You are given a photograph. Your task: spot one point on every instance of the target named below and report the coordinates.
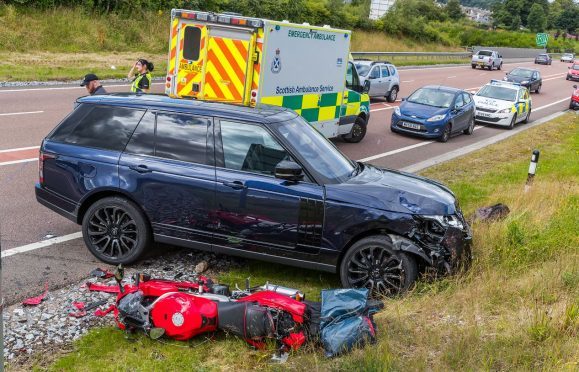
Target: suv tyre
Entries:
(115, 230)
(373, 263)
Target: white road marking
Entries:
(554, 78)
(64, 88)
(20, 149)
(384, 108)
(42, 244)
(558, 74)
(21, 113)
(18, 161)
(407, 81)
(451, 77)
(383, 155)
(549, 105)
(484, 73)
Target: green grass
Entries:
(65, 44)
(516, 309)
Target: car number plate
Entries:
(481, 63)
(483, 114)
(411, 125)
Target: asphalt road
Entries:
(28, 114)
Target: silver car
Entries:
(568, 57)
(383, 77)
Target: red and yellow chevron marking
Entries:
(191, 72)
(257, 65)
(173, 47)
(226, 70)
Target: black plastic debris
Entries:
(493, 213)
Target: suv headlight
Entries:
(397, 111)
(439, 224)
(437, 117)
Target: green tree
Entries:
(537, 20)
(453, 10)
(569, 19)
(515, 23)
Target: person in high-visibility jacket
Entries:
(141, 79)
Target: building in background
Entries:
(379, 7)
(477, 14)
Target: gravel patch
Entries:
(29, 330)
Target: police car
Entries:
(502, 103)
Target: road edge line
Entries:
(476, 146)
(41, 244)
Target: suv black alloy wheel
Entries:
(372, 263)
(115, 230)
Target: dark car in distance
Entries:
(435, 112)
(254, 182)
(530, 78)
(543, 59)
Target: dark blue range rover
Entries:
(255, 182)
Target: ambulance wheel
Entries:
(528, 117)
(115, 230)
(393, 95)
(358, 131)
(513, 121)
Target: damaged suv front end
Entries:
(413, 221)
(445, 240)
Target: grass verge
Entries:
(67, 43)
(516, 309)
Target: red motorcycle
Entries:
(182, 310)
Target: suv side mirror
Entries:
(366, 87)
(288, 170)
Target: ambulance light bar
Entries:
(220, 18)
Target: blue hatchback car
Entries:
(435, 112)
(255, 182)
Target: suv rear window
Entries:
(104, 127)
(485, 53)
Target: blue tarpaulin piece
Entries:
(344, 324)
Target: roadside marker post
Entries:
(532, 169)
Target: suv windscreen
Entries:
(104, 127)
(325, 159)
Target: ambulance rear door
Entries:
(229, 64)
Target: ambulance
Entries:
(249, 61)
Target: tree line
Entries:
(537, 15)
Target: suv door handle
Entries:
(141, 168)
(236, 185)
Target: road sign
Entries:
(542, 39)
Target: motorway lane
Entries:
(24, 221)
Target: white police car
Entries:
(502, 103)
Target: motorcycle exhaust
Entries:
(290, 292)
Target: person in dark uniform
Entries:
(92, 84)
(142, 77)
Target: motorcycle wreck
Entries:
(184, 309)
